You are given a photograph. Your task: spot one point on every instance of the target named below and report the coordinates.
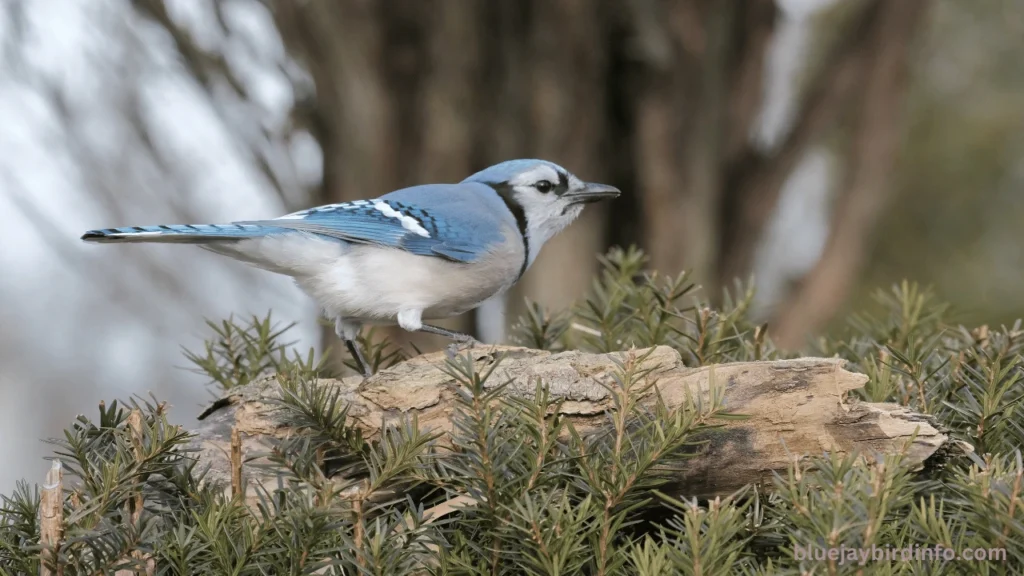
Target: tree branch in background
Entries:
(207, 68)
(699, 95)
(105, 176)
(756, 30)
(666, 104)
(875, 149)
(756, 178)
(212, 71)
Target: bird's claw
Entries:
(366, 374)
(460, 346)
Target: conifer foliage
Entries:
(519, 491)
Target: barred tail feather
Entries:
(179, 233)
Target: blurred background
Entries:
(824, 147)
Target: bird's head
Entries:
(543, 196)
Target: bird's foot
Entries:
(459, 346)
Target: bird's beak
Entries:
(593, 192)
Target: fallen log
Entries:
(793, 408)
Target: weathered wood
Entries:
(142, 563)
(51, 518)
(135, 425)
(794, 407)
(236, 462)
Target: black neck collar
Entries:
(507, 196)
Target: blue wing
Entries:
(459, 222)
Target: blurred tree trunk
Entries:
(657, 97)
(870, 163)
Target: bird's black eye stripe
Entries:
(563, 183)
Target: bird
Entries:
(420, 253)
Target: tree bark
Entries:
(793, 408)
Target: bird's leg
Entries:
(412, 320)
(461, 341)
(364, 366)
(347, 331)
(459, 337)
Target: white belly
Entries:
(373, 284)
(365, 283)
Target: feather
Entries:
(462, 223)
(178, 233)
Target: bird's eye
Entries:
(543, 186)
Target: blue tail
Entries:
(179, 233)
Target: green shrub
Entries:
(537, 498)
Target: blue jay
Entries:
(415, 254)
